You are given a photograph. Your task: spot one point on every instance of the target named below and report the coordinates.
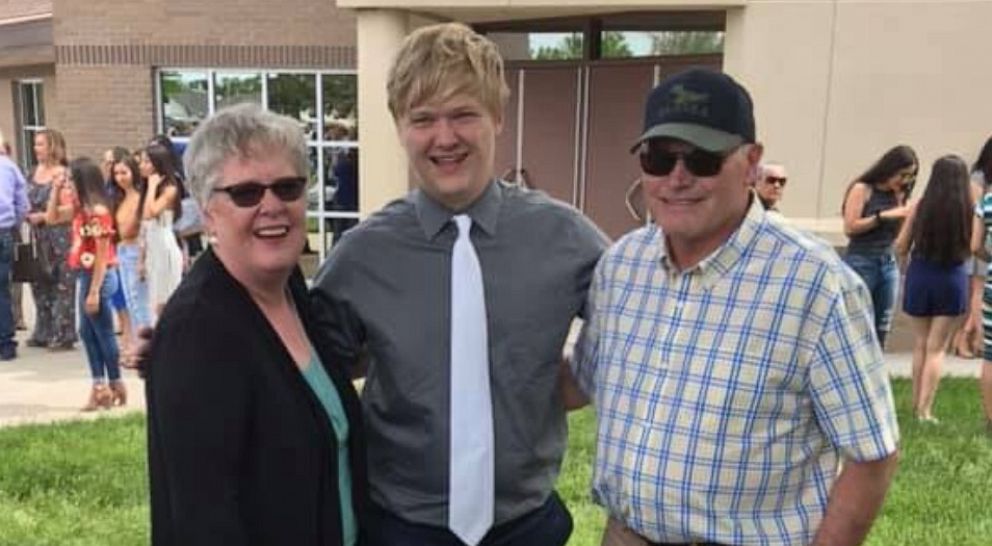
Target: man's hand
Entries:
(572, 396)
(855, 500)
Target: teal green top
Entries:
(327, 393)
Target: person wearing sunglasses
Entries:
(730, 357)
(875, 205)
(459, 297)
(770, 185)
(254, 430)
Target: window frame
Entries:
(22, 127)
(322, 214)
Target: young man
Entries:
(731, 359)
(460, 297)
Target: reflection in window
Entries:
(538, 46)
(331, 125)
(230, 89)
(314, 188)
(341, 179)
(334, 228)
(295, 95)
(184, 101)
(625, 44)
(340, 107)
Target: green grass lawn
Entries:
(84, 483)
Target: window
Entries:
(618, 44)
(29, 109)
(184, 101)
(236, 88)
(538, 46)
(323, 102)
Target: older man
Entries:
(770, 185)
(731, 359)
(461, 295)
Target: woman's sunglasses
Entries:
(660, 162)
(250, 193)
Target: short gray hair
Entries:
(240, 131)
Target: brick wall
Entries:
(230, 22)
(104, 106)
(107, 50)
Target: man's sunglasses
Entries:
(776, 181)
(660, 162)
(250, 193)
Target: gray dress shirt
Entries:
(384, 292)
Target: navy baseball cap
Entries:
(704, 108)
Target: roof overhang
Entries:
(26, 41)
(489, 11)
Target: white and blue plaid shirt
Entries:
(728, 394)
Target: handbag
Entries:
(29, 264)
(191, 220)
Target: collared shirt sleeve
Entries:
(21, 203)
(848, 382)
(586, 353)
(333, 310)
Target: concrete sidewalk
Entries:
(43, 386)
(40, 386)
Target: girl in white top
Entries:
(163, 257)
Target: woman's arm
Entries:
(905, 238)
(102, 239)
(198, 413)
(56, 212)
(978, 239)
(854, 205)
(155, 205)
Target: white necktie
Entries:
(472, 472)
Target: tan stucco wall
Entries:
(838, 83)
(383, 167)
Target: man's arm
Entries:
(335, 316)
(854, 502)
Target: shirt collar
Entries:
(484, 212)
(714, 266)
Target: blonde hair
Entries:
(440, 61)
(56, 146)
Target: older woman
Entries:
(254, 435)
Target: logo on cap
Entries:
(684, 101)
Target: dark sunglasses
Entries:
(250, 193)
(776, 180)
(659, 162)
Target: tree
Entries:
(614, 45)
(570, 47)
(686, 42)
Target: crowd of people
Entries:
(734, 362)
(932, 250)
(107, 255)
